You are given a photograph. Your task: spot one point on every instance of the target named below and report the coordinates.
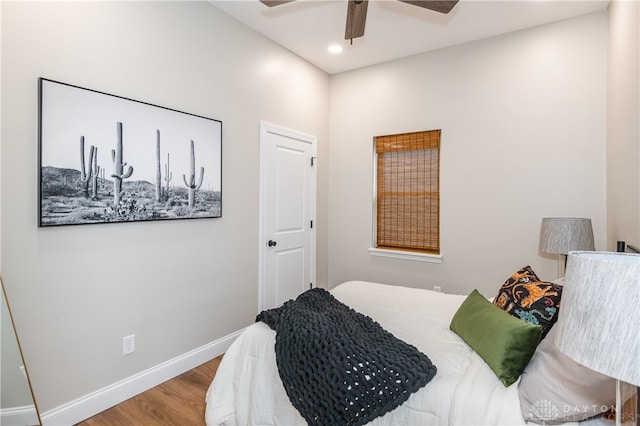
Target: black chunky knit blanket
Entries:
(340, 367)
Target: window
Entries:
(407, 192)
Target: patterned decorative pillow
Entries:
(524, 296)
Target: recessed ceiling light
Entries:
(335, 49)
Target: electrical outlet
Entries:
(437, 288)
(128, 344)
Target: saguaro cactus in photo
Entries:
(191, 184)
(119, 168)
(95, 170)
(158, 173)
(85, 172)
(167, 176)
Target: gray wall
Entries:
(623, 132)
(76, 291)
(523, 119)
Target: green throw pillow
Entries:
(505, 342)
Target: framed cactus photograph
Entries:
(106, 158)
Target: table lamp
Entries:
(599, 321)
(560, 235)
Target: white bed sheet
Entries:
(248, 391)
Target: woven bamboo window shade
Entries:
(408, 192)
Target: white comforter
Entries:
(247, 389)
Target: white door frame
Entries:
(265, 129)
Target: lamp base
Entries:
(562, 265)
(627, 404)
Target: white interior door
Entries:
(287, 211)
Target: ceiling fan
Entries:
(357, 12)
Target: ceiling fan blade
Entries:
(442, 6)
(356, 18)
(272, 3)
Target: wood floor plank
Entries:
(179, 401)
(175, 403)
(114, 416)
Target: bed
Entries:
(247, 389)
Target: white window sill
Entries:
(406, 255)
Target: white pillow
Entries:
(555, 389)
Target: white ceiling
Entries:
(393, 29)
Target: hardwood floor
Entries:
(179, 401)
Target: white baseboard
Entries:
(102, 399)
(26, 415)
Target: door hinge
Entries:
(313, 161)
(310, 285)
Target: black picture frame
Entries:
(106, 159)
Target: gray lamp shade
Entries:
(599, 320)
(560, 235)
